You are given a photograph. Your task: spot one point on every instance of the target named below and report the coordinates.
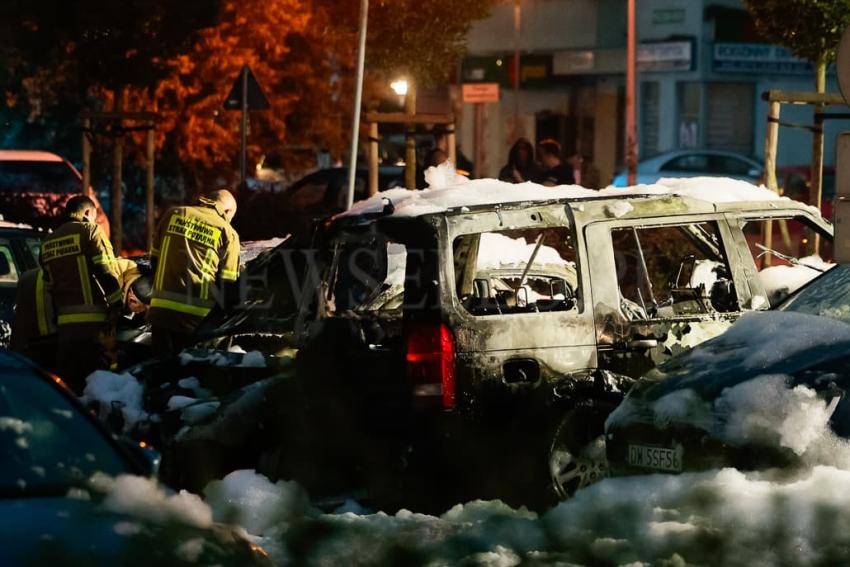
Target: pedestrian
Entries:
(34, 325)
(195, 253)
(557, 171)
(81, 274)
(521, 166)
(584, 172)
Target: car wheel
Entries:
(577, 455)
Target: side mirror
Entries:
(144, 456)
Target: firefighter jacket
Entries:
(80, 272)
(33, 310)
(195, 251)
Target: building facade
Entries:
(701, 72)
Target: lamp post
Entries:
(358, 101)
(517, 28)
(631, 125)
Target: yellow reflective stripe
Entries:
(41, 315)
(229, 275)
(85, 280)
(181, 307)
(114, 297)
(104, 259)
(207, 273)
(82, 318)
(160, 268)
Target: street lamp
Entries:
(399, 87)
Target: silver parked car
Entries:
(695, 163)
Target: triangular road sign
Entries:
(256, 99)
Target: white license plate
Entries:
(657, 458)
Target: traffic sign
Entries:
(480, 92)
(256, 99)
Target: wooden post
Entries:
(770, 144)
(149, 201)
(479, 138)
(373, 158)
(451, 141)
(817, 146)
(86, 156)
(117, 162)
(410, 138)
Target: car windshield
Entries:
(826, 296)
(47, 444)
(19, 176)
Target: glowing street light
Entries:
(399, 87)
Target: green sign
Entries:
(664, 16)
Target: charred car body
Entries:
(476, 351)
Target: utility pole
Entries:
(631, 123)
(410, 137)
(517, 28)
(358, 101)
(243, 129)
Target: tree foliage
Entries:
(811, 29)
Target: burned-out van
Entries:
(482, 346)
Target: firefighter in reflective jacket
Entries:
(195, 252)
(81, 273)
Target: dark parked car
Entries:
(264, 214)
(54, 515)
(35, 185)
(725, 402)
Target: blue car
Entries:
(768, 393)
(51, 512)
(695, 163)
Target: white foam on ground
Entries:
(103, 388)
(781, 281)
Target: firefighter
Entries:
(81, 274)
(195, 253)
(34, 325)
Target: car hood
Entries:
(772, 342)
(70, 531)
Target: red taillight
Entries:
(431, 362)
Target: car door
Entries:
(661, 286)
(517, 290)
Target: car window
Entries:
(33, 246)
(690, 162)
(47, 444)
(728, 165)
(671, 271)
(367, 276)
(826, 296)
(8, 269)
(516, 271)
(38, 176)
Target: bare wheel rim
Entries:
(571, 472)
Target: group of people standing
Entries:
(548, 167)
(67, 310)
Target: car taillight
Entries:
(431, 362)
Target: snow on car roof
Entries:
(28, 155)
(448, 190)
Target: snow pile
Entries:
(447, 190)
(781, 281)
(236, 358)
(443, 175)
(108, 390)
(499, 251)
(618, 209)
(712, 518)
(253, 502)
(143, 498)
(766, 411)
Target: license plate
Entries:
(657, 458)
